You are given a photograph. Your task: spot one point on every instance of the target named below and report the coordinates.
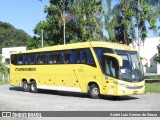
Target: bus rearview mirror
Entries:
(117, 57)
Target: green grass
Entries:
(5, 81)
(156, 77)
(152, 86)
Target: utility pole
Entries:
(42, 41)
(42, 37)
(64, 27)
(61, 8)
(139, 37)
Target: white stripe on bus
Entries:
(70, 89)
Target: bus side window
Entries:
(31, 59)
(54, 58)
(58, 58)
(99, 54)
(66, 59)
(50, 58)
(20, 59)
(78, 56)
(73, 57)
(14, 59)
(84, 56)
(25, 59)
(41, 59)
(44, 60)
(90, 59)
(67, 55)
(81, 56)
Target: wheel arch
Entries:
(32, 79)
(23, 79)
(93, 82)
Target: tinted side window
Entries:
(99, 52)
(14, 59)
(25, 59)
(31, 59)
(84, 56)
(73, 57)
(76, 56)
(41, 58)
(54, 58)
(20, 59)
(90, 59)
(66, 56)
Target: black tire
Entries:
(94, 91)
(34, 87)
(26, 86)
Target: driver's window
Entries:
(111, 66)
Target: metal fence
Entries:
(4, 77)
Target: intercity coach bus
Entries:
(95, 68)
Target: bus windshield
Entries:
(132, 68)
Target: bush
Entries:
(3, 68)
(157, 58)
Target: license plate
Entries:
(135, 92)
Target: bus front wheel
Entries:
(94, 91)
(26, 86)
(33, 87)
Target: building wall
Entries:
(149, 50)
(6, 52)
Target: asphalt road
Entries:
(14, 99)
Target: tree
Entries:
(119, 21)
(61, 8)
(55, 25)
(34, 43)
(75, 20)
(3, 68)
(12, 37)
(156, 5)
(87, 22)
(125, 16)
(82, 20)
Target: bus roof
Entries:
(112, 46)
(82, 45)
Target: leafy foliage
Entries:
(85, 20)
(82, 21)
(157, 58)
(12, 37)
(3, 68)
(128, 15)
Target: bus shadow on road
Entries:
(16, 88)
(119, 98)
(74, 94)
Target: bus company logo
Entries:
(25, 69)
(6, 114)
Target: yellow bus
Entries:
(95, 68)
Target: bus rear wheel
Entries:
(33, 87)
(26, 86)
(94, 91)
